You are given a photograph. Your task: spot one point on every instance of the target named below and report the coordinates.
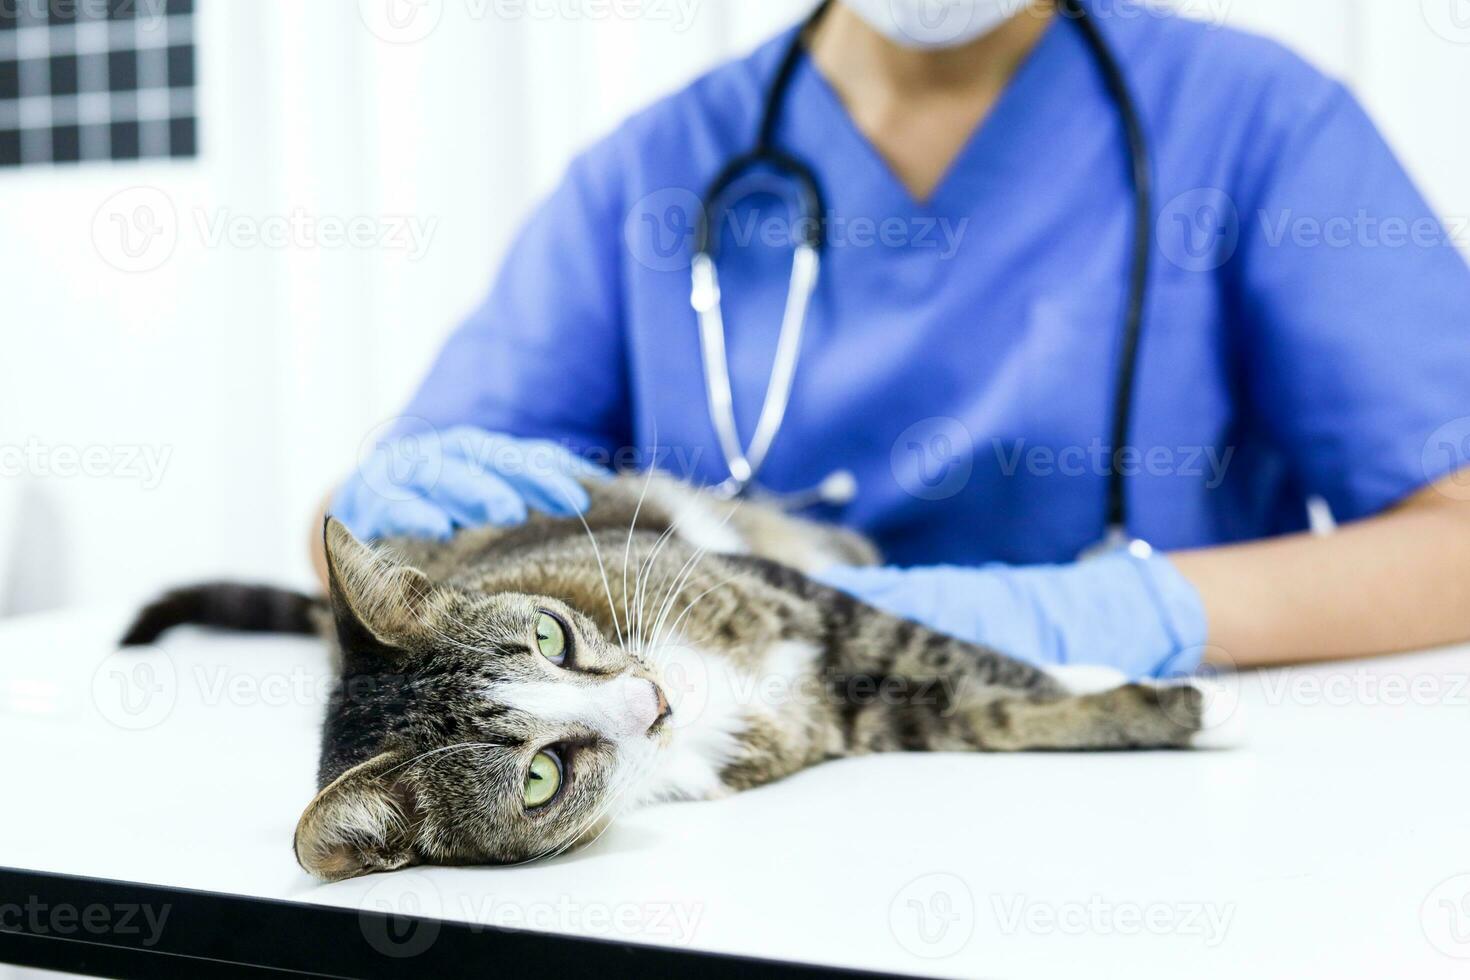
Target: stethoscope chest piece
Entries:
(1117, 540)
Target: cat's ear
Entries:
(363, 821)
(373, 591)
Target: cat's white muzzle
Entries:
(621, 709)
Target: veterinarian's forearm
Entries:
(1399, 581)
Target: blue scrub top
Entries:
(1307, 331)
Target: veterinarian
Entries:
(1011, 279)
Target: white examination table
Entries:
(1335, 843)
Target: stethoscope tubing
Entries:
(744, 462)
(1139, 267)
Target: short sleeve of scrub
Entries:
(1354, 302)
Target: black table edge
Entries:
(101, 927)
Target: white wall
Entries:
(254, 370)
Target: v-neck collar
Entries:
(984, 150)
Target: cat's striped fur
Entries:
(443, 699)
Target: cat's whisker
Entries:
(645, 575)
(674, 627)
(457, 746)
(644, 603)
(632, 525)
(668, 589)
(686, 572)
(663, 539)
(488, 592)
(556, 850)
(641, 581)
(675, 589)
(626, 782)
(381, 563)
(602, 570)
(646, 570)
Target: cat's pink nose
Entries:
(663, 706)
(646, 706)
(658, 708)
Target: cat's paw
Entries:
(1221, 717)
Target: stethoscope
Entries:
(744, 461)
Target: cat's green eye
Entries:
(551, 637)
(543, 779)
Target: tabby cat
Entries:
(506, 693)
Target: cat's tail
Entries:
(226, 605)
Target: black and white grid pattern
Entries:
(85, 80)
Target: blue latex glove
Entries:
(1136, 615)
(428, 483)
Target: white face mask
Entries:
(934, 23)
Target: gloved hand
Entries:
(1136, 615)
(426, 484)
